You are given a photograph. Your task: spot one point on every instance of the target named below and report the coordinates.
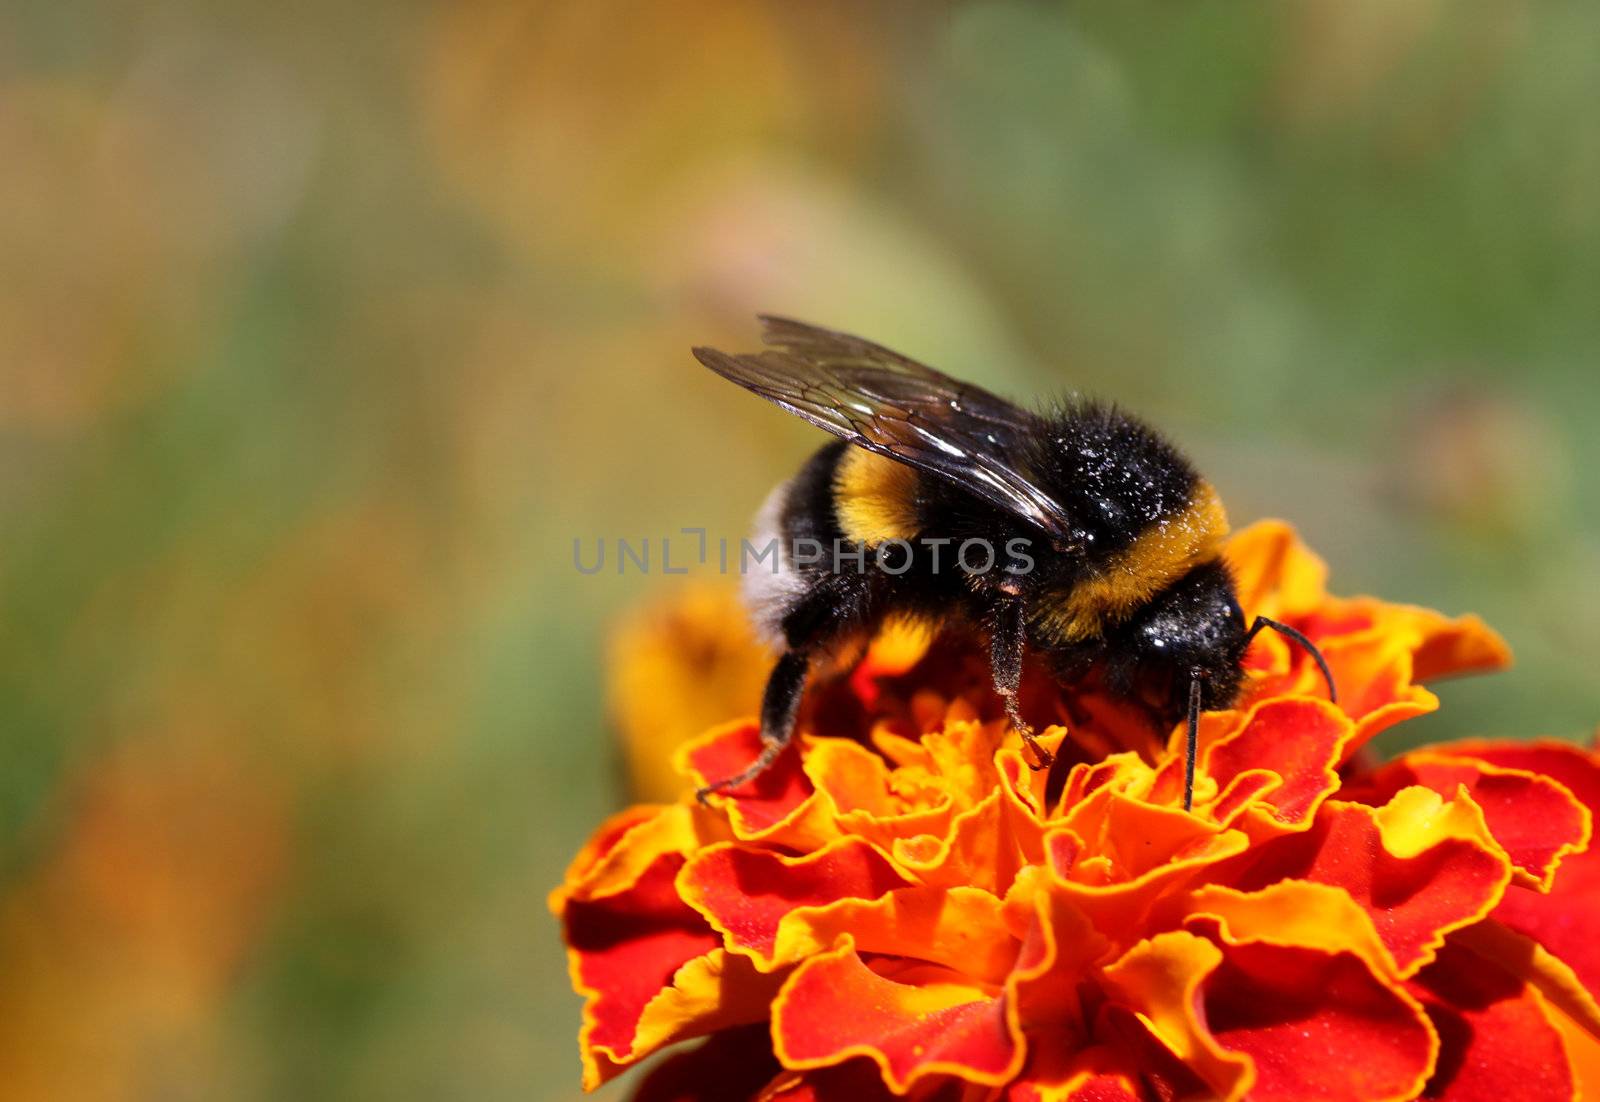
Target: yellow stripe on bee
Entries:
(874, 497)
(1159, 557)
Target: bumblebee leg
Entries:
(779, 705)
(1193, 743)
(1007, 641)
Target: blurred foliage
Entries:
(326, 329)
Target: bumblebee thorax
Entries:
(1110, 588)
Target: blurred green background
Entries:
(326, 328)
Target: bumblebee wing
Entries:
(880, 400)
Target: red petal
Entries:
(1317, 1026)
(1563, 921)
(1414, 900)
(1533, 818)
(1300, 740)
(745, 892)
(767, 800)
(1496, 1041)
(927, 1021)
(625, 949)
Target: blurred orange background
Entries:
(325, 330)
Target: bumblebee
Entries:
(1078, 532)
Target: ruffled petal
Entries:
(1058, 940)
(1139, 852)
(715, 992)
(780, 806)
(746, 893)
(1534, 819)
(1496, 1040)
(1290, 912)
(1059, 1072)
(1526, 959)
(1160, 980)
(1583, 1055)
(1300, 740)
(912, 1021)
(1276, 574)
(1418, 867)
(623, 950)
(980, 849)
(1441, 646)
(1317, 1025)
(624, 848)
(1562, 919)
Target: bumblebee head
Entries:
(1194, 629)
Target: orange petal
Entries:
(1059, 949)
(1290, 912)
(599, 847)
(1244, 789)
(926, 1021)
(979, 850)
(1496, 1040)
(867, 800)
(1317, 1025)
(1160, 980)
(1276, 573)
(1442, 646)
(1118, 909)
(1061, 1070)
(960, 928)
(745, 893)
(1373, 672)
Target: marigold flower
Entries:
(902, 908)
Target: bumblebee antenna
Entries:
(1194, 743)
(1194, 695)
(1310, 648)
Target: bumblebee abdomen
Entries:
(796, 514)
(874, 498)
